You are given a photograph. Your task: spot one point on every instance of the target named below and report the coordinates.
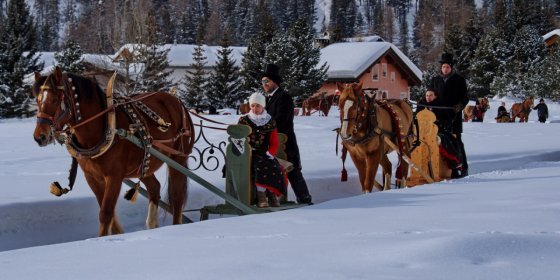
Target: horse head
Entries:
(349, 104)
(529, 102)
(53, 106)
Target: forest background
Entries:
(497, 44)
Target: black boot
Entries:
(299, 187)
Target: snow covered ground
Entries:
(501, 222)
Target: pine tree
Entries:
(488, 62)
(298, 60)
(253, 61)
(472, 33)
(155, 74)
(544, 78)
(47, 24)
(70, 58)
(194, 92)
(17, 59)
(225, 81)
(526, 53)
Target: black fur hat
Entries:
(446, 58)
(272, 71)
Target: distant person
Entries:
(452, 89)
(269, 177)
(542, 111)
(502, 111)
(281, 107)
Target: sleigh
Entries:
(431, 166)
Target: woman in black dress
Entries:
(269, 176)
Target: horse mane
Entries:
(83, 83)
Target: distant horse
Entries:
(365, 124)
(522, 110)
(470, 111)
(74, 110)
(244, 108)
(319, 103)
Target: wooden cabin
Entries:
(380, 66)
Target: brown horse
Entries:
(364, 126)
(319, 103)
(522, 110)
(244, 108)
(469, 113)
(74, 110)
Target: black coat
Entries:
(281, 107)
(542, 110)
(452, 92)
(502, 111)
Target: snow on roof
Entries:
(371, 38)
(555, 32)
(350, 60)
(47, 58)
(101, 61)
(181, 55)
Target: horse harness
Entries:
(370, 113)
(366, 110)
(133, 107)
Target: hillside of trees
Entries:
(497, 43)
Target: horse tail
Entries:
(176, 192)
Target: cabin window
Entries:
(392, 77)
(384, 94)
(375, 72)
(384, 70)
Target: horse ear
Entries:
(37, 75)
(358, 86)
(339, 86)
(57, 74)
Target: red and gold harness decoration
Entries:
(397, 129)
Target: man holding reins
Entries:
(452, 89)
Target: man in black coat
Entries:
(281, 107)
(542, 110)
(452, 89)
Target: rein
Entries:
(109, 108)
(431, 106)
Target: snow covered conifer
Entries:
(18, 57)
(225, 80)
(69, 59)
(194, 91)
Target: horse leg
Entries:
(98, 187)
(360, 164)
(107, 212)
(387, 167)
(177, 189)
(116, 227)
(153, 186)
(403, 167)
(372, 164)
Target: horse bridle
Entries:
(65, 109)
(361, 108)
